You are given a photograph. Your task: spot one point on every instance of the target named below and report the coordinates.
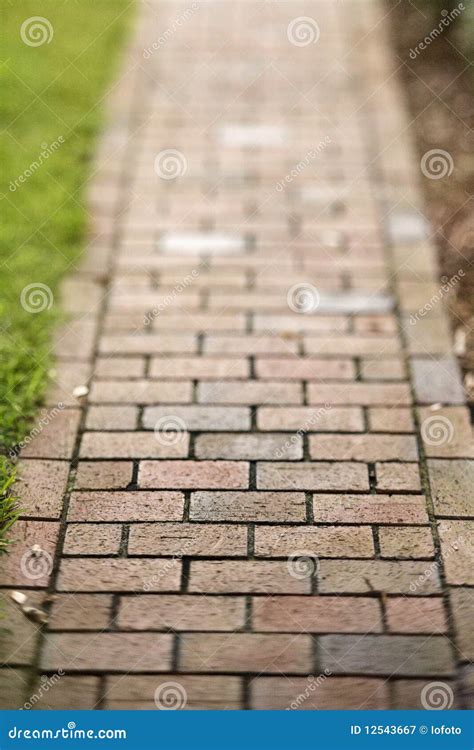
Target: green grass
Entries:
(50, 95)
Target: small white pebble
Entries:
(80, 390)
(18, 597)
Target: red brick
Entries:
(31, 553)
(249, 446)
(199, 368)
(119, 574)
(140, 392)
(128, 652)
(112, 418)
(126, 506)
(312, 476)
(316, 614)
(363, 576)
(369, 448)
(304, 369)
(369, 509)
(92, 539)
(323, 541)
(462, 608)
(382, 369)
(404, 543)
(355, 345)
(360, 394)
(249, 392)
(54, 435)
(40, 487)
(416, 615)
(80, 692)
(190, 539)
(395, 476)
(457, 549)
(194, 474)
(250, 344)
(125, 693)
(134, 445)
(148, 344)
(288, 507)
(231, 418)
(390, 419)
(245, 576)
(246, 652)
(181, 612)
(307, 419)
(80, 612)
(119, 367)
(107, 475)
(305, 693)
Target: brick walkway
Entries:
(264, 500)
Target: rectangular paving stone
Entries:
(140, 392)
(416, 615)
(312, 476)
(107, 475)
(119, 574)
(249, 392)
(183, 612)
(249, 344)
(137, 692)
(246, 652)
(134, 445)
(316, 614)
(304, 369)
(80, 612)
(129, 652)
(194, 474)
(406, 543)
(462, 607)
(387, 655)
(40, 486)
(369, 448)
(205, 418)
(390, 419)
(190, 243)
(245, 576)
(446, 432)
(249, 446)
(110, 368)
(369, 509)
(92, 539)
(361, 394)
(327, 541)
(201, 368)
(298, 693)
(178, 539)
(437, 380)
(82, 692)
(392, 577)
(457, 549)
(287, 507)
(148, 344)
(156, 505)
(310, 419)
(112, 417)
(396, 477)
(452, 485)
(55, 435)
(352, 346)
(251, 136)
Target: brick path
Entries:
(264, 497)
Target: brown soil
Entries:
(440, 93)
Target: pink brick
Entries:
(369, 509)
(140, 392)
(316, 614)
(245, 576)
(304, 369)
(181, 612)
(126, 506)
(194, 474)
(395, 476)
(416, 615)
(119, 574)
(40, 486)
(112, 418)
(106, 475)
(148, 344)
(363, 447)
(92, 539)
(132, 692)
(56, 436)
(304, 693)
(287, 507)
(310, 419)
(202, 368)
(130, 652)
(250, 446)
(396, 394)
(312, 476)
(179, 539)
(327, 541)
(134, 445)
(119, 367)
(249, 392)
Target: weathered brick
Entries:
(107, 475)
(307, 419)
(181, 612)
(80, 612)
(462, 608)
(405, 543)
(447, 432)
(31, 553)
(416, 615)
(92, 539)
(194, 474)
(304, 693)
(128, 652)
(312, 476)
(352, 346)
(363, 576)
(395, 476)
(55, 436)
(304, 368)
(245, 576)
(19, 635)
(119, 367)
(323, 541)
(369, 509)
(119, 574)
(148, 344)
(191, 539)
(407, 694)
(451, 487)
(199, 368)
(391, 419)
(134, 445)
(231, 418)
(126, 506)
(437, 380)
(382, 369)
(112, 418)
(368, 448)
(396, 394)
(40, 487)
(387, 654)
(457, 549)
(337, 614)
(140, 392)
(250, 344)
(82, 692)
(246, 652)
(288, 507)
(249, 446)
(249, 392)
(132, 692)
